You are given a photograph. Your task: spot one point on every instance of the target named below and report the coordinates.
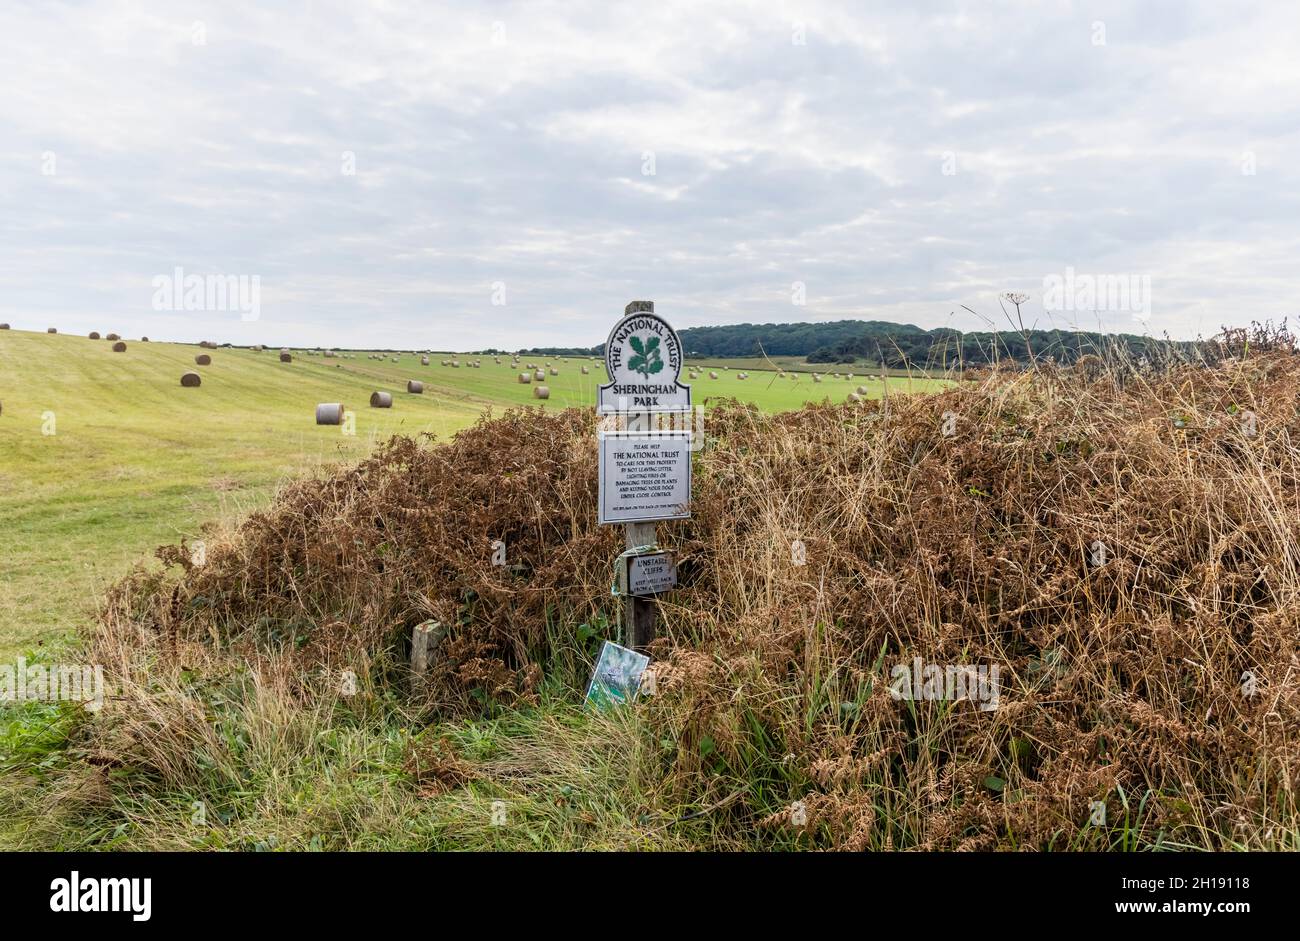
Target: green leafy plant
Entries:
(647, 360)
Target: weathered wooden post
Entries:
(641, 612)
(645, 473)
(424, 643)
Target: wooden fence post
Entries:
(424, 641)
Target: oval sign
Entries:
(644, 358)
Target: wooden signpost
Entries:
(645, 474)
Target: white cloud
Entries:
(506, 142)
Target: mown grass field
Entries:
(104, 456)
(498, 384)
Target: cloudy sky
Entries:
(457, 176)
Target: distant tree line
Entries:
(945, 347)
(782, 339)
(747, 339)
(895, 345)
(561, 351)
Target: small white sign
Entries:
(617, 676)
(650, 574)
(644, 358)
(645, 477)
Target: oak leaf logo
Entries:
(647, 360)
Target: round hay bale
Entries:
(329, 413)
(394, 359)
(93, 335)
(554, 371)
(190, 380)
(455, 364)
(4, 326)
(381, 400)
(119, 347)
(525, 377)
(540, 375)
(51, 330)
(712, 374)
(863, 390)
(541, 392)
(203, 359)
(415, 386)
(144, 339)
(257, 348)
(286, 358)
(854, 397)
(424, 361)
(585, 370)
(329, 354)
(112, 338)
(817, 378)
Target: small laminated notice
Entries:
(617, 676)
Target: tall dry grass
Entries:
(1121, 542)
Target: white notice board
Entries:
(645, 477)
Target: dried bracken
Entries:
(1123, 547)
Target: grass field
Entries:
(493, 384)
(103, 455)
